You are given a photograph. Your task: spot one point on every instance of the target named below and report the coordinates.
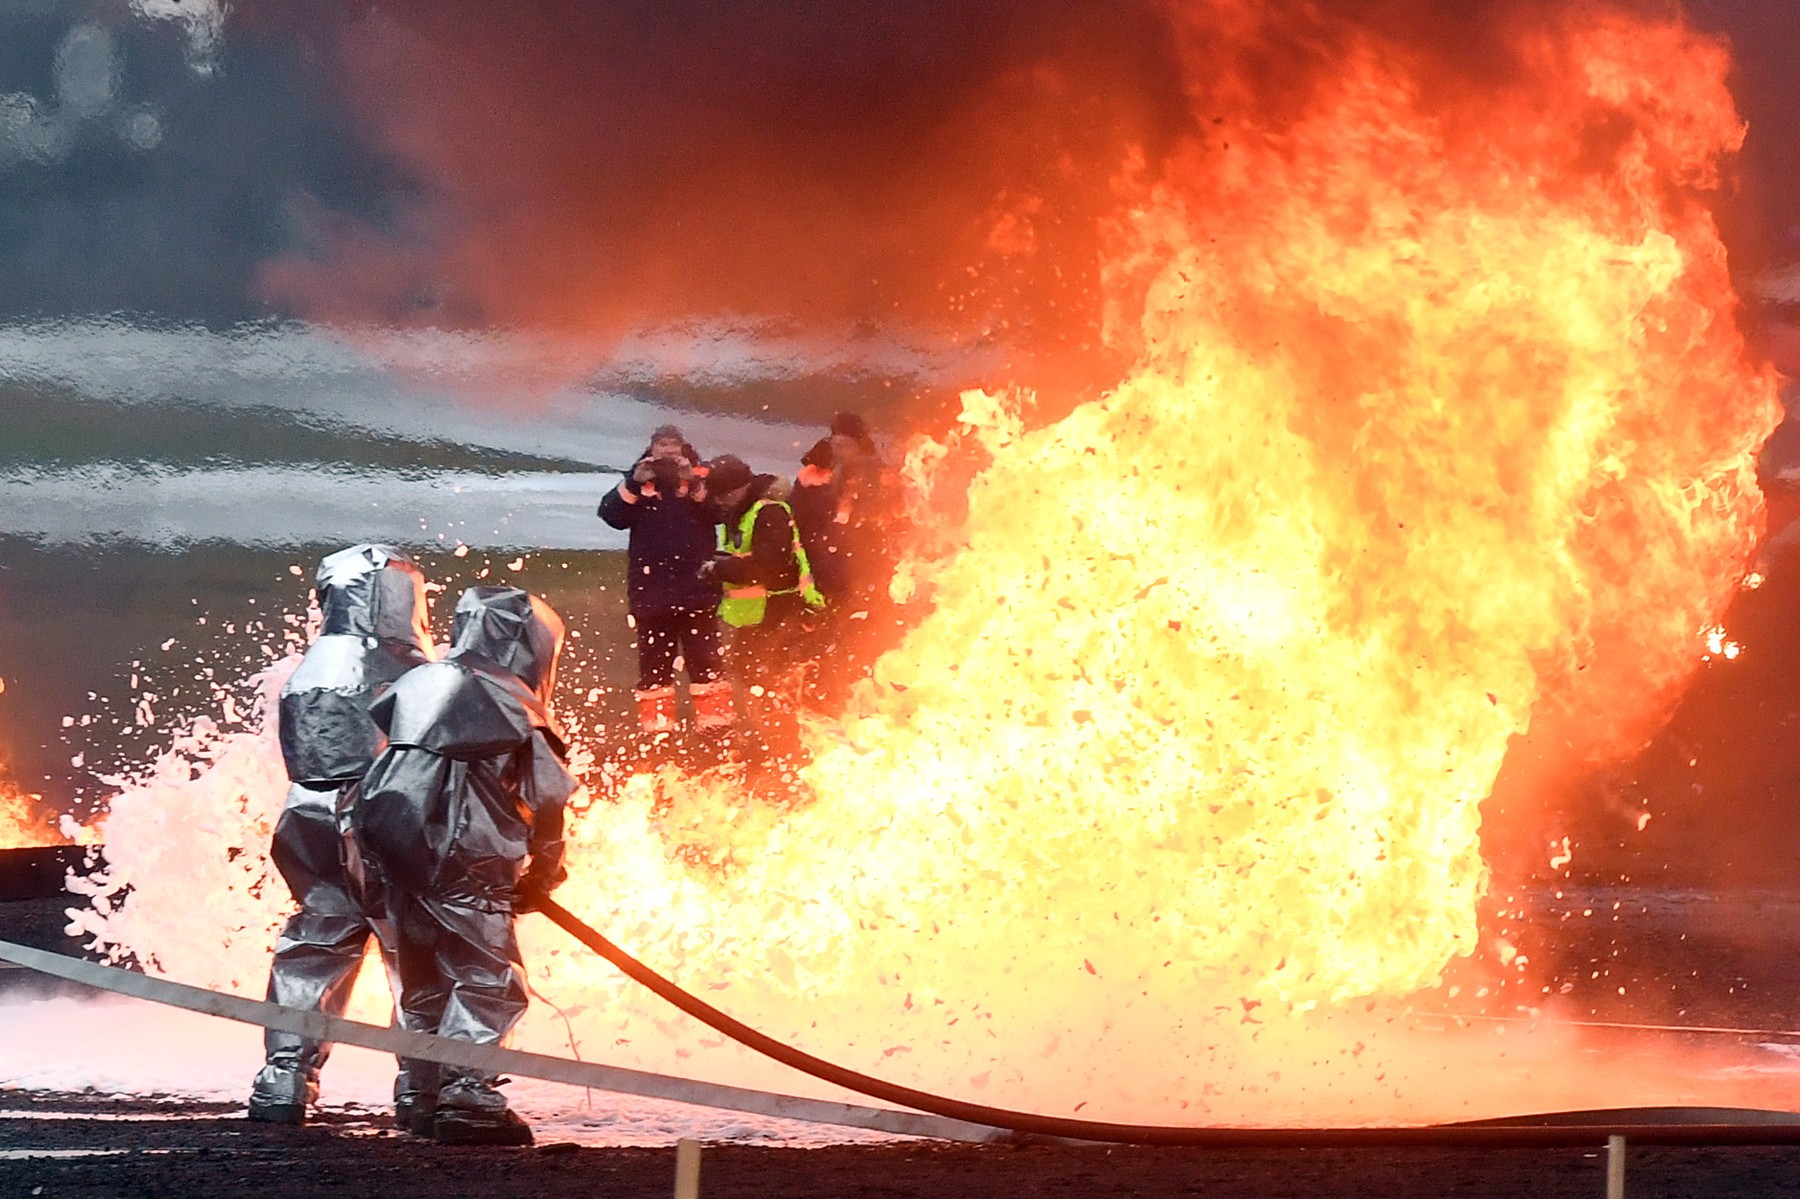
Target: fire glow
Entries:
(23, 824)
(1440, 420)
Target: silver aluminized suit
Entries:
(459, 818)
(372, 630)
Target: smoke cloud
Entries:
(936, 167)
(933, 166)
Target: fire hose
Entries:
(1649, 1126)
(946, 1118)
(1664, 1126)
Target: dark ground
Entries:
(90, 1145)
(215, 1154)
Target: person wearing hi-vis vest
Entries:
(768, 598)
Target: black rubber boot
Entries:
(414, 1114)
(276, 1113)
(460, 1126)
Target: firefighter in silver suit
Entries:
(461, 821)
(372, 630)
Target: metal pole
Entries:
(320, 1027)
(1772, 1128)
(1615, 1167)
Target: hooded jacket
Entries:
(472, 785)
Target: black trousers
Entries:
(667, 633)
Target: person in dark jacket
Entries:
(816, 510)
(460, 825)
(662, 501)
(847, 507)
(842, 502)
(768, 598)
(372, 630)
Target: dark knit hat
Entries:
(849, 424)
(727, 472)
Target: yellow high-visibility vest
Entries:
(746, 605)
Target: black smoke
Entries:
(453, 162)
(168, 218)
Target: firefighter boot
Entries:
(658, 715)
(281, 1094)
(416, 1097)
(713, 710)
(471, 1111)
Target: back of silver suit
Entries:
(373, 629)
(372, 600)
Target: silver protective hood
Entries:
(513, 629)
(373, 591)
(463, 707)
(372, 598)
(491, 690)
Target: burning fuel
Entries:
(1439, 429)
(24, 824)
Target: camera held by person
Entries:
(664, 471)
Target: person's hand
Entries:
(707, 570)
(635, 478)
(531, 890)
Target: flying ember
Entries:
(1439, 426)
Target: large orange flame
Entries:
(1440, 417)
(1440, 428)
(22, 824)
